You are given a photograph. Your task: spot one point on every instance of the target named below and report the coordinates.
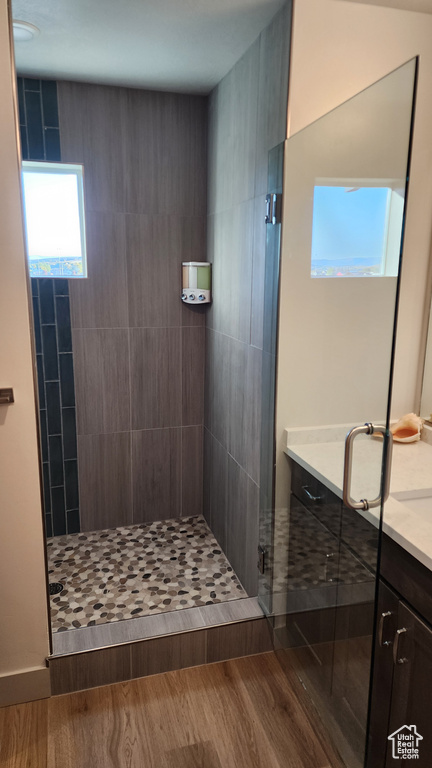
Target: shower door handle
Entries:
(367, 429)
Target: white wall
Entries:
(23, 609)
(338, 49)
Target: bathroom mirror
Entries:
(344, 195)
(426, 391)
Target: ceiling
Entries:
(420, 6)
(177, 45)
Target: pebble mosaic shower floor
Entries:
(137, 570)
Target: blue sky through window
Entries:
(53, 225)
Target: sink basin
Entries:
(419, 502)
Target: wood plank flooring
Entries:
(243, 713)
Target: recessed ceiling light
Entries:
(23, 32)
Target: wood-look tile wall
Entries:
(247, 118)
(138, 351)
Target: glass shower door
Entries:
(270, 321)
(344, 196)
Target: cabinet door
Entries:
(382, 676)
(311, 590)
(354, 631)
(411, 700)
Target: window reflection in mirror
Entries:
(356, 227)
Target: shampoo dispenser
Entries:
(196, 282)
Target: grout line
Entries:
(206, 634)
(26, 127)
(42, 119)
(231, 456)
(133, 327)
(131, 431)
(181, 413)
(233, 338)
(129, 340)
(60, 397)
(127, 431)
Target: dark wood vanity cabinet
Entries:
(402, 675)
(331, 577)
(331, 583)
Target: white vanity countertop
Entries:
(321, 452)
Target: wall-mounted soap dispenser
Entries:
(196, 282)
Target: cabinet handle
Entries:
(383, 617)
(310, 496)
(396, 658)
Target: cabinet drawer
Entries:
(360, 536)
(407, 576)
(320, 563)
(324, 504)
(313, 552)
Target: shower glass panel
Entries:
(344, 195)
(270, 315)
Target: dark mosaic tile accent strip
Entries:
(137, 570)
(57, 406)
(35, 132)
(40, 139)
(58, 510)
(69, 432)
(56, 461)
(38, 115)
(67, 386)
(64, 333)
(52, 143)
(46, 301)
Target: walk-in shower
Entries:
(149, 404)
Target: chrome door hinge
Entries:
(273, 208)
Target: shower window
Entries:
(356, 228)
(54, 219)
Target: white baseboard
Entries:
(25, 686)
